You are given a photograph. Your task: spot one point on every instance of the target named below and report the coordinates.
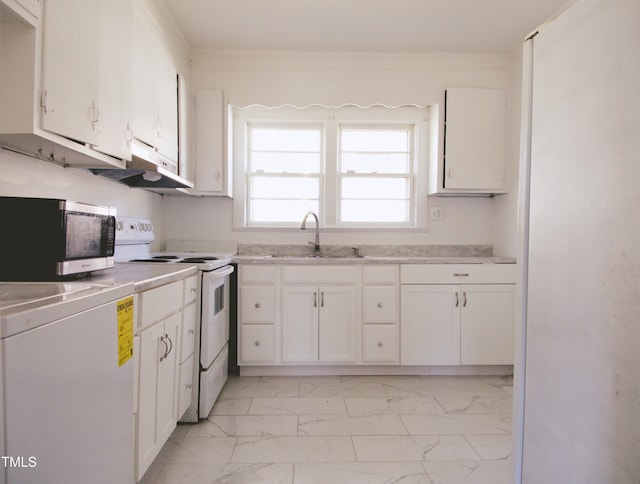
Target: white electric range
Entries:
(133, 239)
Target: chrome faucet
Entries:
(303, 226)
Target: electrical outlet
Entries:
(436, 213)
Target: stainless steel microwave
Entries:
(52, 239)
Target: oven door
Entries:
(215, 314)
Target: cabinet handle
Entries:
(257, 343)
(464, 299)
(188, 386)
(128, 134)
(191, 331)
(315, 299)
(380, 305)
(380, 344)
(457, 299)
(322, 299)
(43, 103)
(170, 344)
(94, 115)
(166, 348)
(257, 305)
(460, 274)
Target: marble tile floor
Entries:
(346, 429)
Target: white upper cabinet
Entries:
(60, 104)
(473, 158)
(115, 90)
(71, 69)
(155, 88)
(212, 172)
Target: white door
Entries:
(71, 69)
(299, 324)
(475, 139)
(486, 333)
(430, 325)
(337, 324)
(115, 78)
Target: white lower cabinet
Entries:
(380, 343)
(430, 326)
(165, 335)
(380, 315)
(486, 330)
(156, 416)
(257, 314)
(376, 314)
(257, 343)
(318, 324)
(457, 324)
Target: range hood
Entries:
(147, 169)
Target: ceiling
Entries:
(443, 26)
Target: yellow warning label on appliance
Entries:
(125, 330)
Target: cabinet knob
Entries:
(188, 387)
(191, 331)
(380, 304)
(380, 344)
(257, 343)
(257, 305)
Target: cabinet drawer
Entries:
(190, 289)
(458, 273)
(188, 343)
(257, 343)
(258, 273)
(185, 385)
(257, 304)
(319, 274)
(380, 274)
(158, 303)
(380, 343)
(380, 304)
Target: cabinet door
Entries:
(487, 324)
(188, 335)
(380, 343)
(380, 304)
(337, 324)
(184, 387)
(257, 304)
(166, 419)
(430, 325)
(210, 175)
(257, 343)
(155, 88)
(115, 78)
(299, 324)
(151, 349)
(71, 69)
(144, 91)
(475, 139)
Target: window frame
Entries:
(331, 118)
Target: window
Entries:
(375, 174)
(354, 167)
(283, 172)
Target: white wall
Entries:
(22, 176)
(306, 78)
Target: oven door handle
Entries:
(220, 273)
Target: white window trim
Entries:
(419, 116)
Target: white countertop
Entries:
(144, 276)
(267, 259)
